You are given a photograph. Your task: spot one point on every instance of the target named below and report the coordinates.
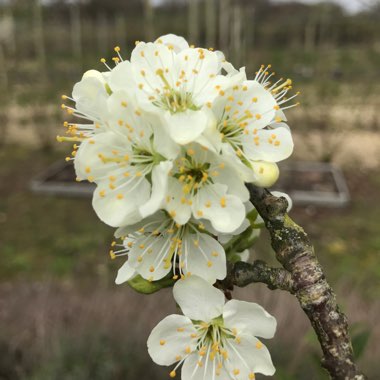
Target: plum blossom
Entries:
(213, 339)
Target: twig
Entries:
(303, 276)
(243, 274)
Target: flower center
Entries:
(174, 100)
(213, 339)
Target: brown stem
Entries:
(303, 276)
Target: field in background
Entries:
(61, 316)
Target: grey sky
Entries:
(352, 6)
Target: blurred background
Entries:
(61, 316)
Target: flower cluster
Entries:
(170, 137)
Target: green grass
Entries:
(43, 235)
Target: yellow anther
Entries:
(223, 202)
(139, 259)
(103, 60)
(119, 196)
(117, 49)
(200, 213)
(259, 345)
(151, 269)
(209, 264)
(173, 374)
(236, 371)
(188, 350)
(112, 255)
(172, 213)
(215, 254)
(162, 342)
(251, 376)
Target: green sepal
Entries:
(241, 242)
(149, 287)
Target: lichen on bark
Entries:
(303, 276)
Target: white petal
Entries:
(248, 356)
(185, 127)
(173, 41)
(210, 138)
(163, 143)
(198, 367)
(204, 257)
(159, 188)
(198, 299)
(87, 162)
(176, 203)
(94, 74)
(286, 196)
(233, 160)
(90, 97)
(148, 224)
(265, 173)
(119, 206)
(148, 60)
(249, 318)
(200, 68)
(121, 77)
(127, 119)
(125, 273)
(260, 103)
(148, 257)
(190, 368)
(236, 186)
(271, 145)
(225, 212)
(170, 338)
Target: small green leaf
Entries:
(148, 287)
(359, 342)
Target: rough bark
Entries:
(303, 276)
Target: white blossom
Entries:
(158, 245)
(205, 186)
(120, 160)
(176, 82)
(213, 339)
